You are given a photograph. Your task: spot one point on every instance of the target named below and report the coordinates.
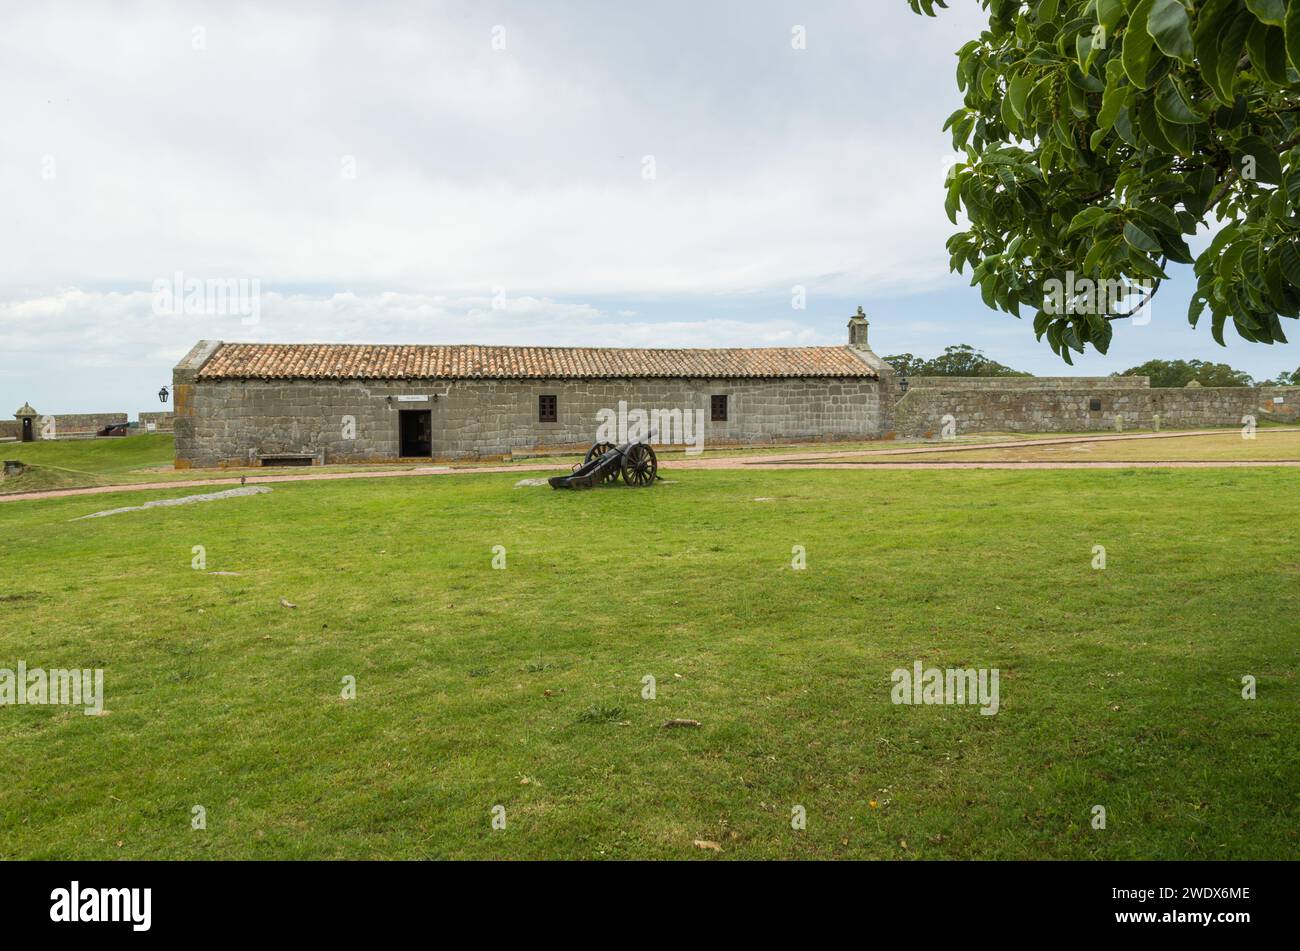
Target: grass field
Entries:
(522, 687)
(77, 463)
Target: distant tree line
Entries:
(1182, 372)
(965, 360)
(960, 360)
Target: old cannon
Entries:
(605, 462)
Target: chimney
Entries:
(858, 331)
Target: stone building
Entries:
(239, 404)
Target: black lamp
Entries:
(902, 383)
(162, 395)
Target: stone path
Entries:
(769, 462)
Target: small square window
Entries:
(1094, 405)
(547, 409)
(718, 407)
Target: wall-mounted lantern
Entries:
(903, 384)
(162, 395)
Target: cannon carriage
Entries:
(634, 462)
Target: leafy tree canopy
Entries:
(1182, 372)
(1097, 135)
(959, 360)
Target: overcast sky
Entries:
(571, 173)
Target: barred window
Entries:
(718, 405)
(547, 409)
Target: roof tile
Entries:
(292, 361)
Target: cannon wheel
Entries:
(640, 466)
(595, 452)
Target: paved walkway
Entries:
(813, 460)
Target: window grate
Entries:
(718, 408)
(547, 409)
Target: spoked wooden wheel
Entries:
(640, 466)
(595, 452)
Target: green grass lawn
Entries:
(522, 687)
(77, 463)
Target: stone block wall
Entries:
(235, 422)
(1064, 404)
(1225, 405)
(162, 421)
(65, 424)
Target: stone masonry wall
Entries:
(1225, 405)
(65, 424)
(233, 422)
(1063, 404)
(162, 421)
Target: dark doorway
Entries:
(416, 430)
(27, 429)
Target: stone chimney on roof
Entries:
(858, 331)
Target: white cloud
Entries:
(476, 170)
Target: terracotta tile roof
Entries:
(292, 361)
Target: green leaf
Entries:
(1169, 26)
(1289, 259)
(1172, 103)
(1272, 12)
(1216, 328)
(1109, 13)
(1231, 46)
(953, 202)
(1149, 124)
(1202, 182)
(1017, 94)
(1138, 44)
(1009, 116)
(1211, 21)
(1161, 217)
(1124, 126)
(1292, 28)
(1111, 102)
(1087, 218)
(1102, 337)
(1267, 45)
(1183, 137)
(1140, 240)
(1254, 154)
